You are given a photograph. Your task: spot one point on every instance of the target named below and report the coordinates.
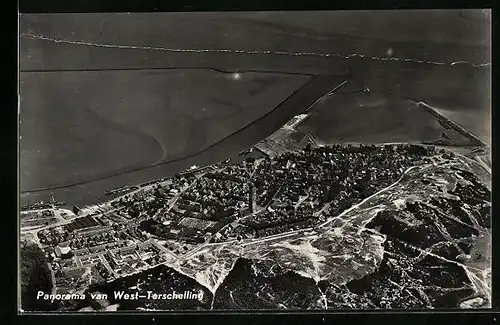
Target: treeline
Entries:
(35, 276)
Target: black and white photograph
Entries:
(255, 161)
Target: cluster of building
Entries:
(102, 263)
(216, 197)
(53, 236)
(37, 218)
(131, 259)
(73, 279)
(147, 201)
(300, 189)
(37, 214)
(252, 199)
(79, 250)
(291, 191)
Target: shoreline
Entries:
(96, 206)
(296, 103)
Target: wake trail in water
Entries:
(249, 52)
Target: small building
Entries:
(62, 251)
(175, 231)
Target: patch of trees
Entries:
(155, 228)
(35, 276)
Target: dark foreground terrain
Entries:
(35, 276)
(158, 280)
(406, 278)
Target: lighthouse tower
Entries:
(252, 198)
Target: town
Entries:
(260, 196)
